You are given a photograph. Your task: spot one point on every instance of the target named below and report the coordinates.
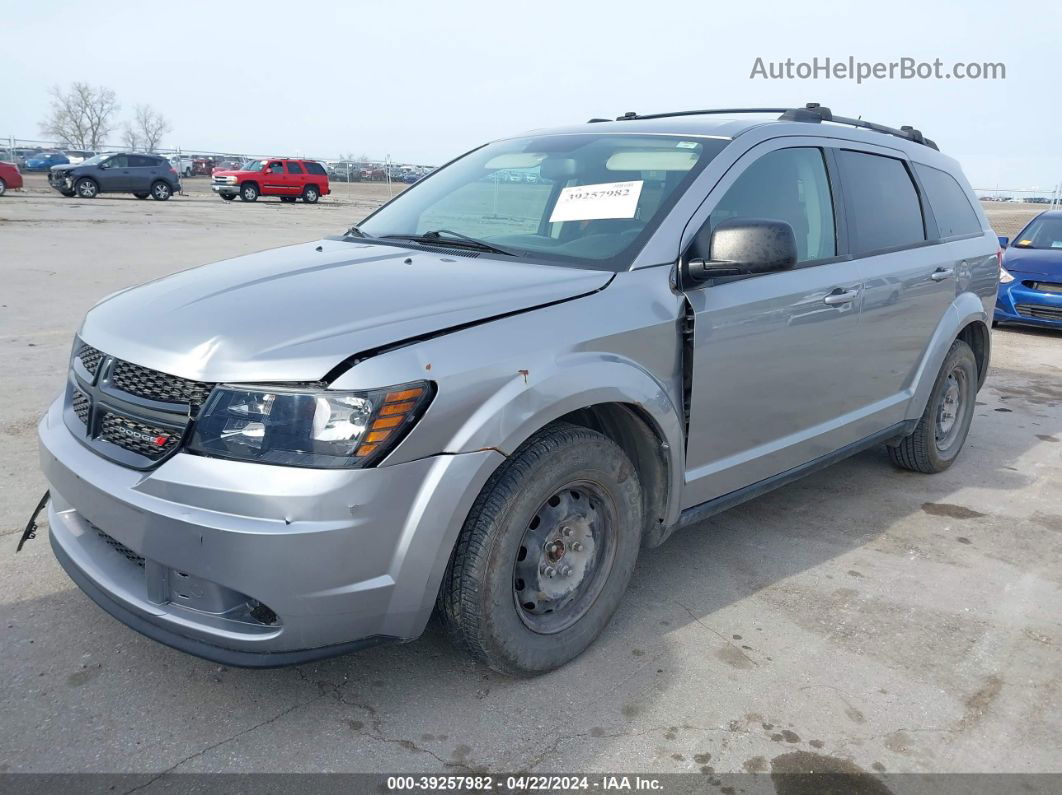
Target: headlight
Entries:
(307, 427)
(1004, 276)
(231, 180)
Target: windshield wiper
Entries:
(453, 238)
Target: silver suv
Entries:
(487, 397)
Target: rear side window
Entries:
(314, 168)
(294, 168)
(139, 161)
(882, 202)
(954, 214)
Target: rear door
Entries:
(143, 171)
(296, 177)
(910, 282)
(772, 386)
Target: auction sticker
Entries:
(596, 202)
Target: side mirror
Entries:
(105, 165)
(1003, 241)
(746, 246)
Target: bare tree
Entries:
(130, 138)
(81, 116)
(150, 126)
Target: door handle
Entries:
(842, 297)
(940, 274)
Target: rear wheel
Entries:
(161, 191)
(3, 186)
(310, 194)
(86, 188)
(141, 195)
(941, 432)
(249, 192)
(546, 552)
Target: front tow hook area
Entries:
(31, 525)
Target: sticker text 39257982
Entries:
(594, 202)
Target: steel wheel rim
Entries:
(950, 409)
(565, 557)
(248, 192)
(311, 195)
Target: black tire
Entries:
(937, 441)
(248, 192)
(227, 196)
(141, 195)
(288, 199)
(310, 194)
(161, 190)
(483, 593)
(68, 193)
(3, 186)
(86, 188)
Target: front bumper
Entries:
(191, 552)
(61, 183)
(1020, 302)
(228, 190)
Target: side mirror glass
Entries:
(1003, 241)
(746, 246)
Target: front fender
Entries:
(965, 309)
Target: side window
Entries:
(139, 161)
(882, 202)
(952, 209)
(294, 168)
(276, 167)
(314, 168)
(118, 161)
(788, 185)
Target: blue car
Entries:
(1030, 282)
(45, 160)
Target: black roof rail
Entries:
(812, 112)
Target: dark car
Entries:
(45, 160)
(1030, 283)
(142, 175)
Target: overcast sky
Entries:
(423, 81)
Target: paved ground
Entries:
(895, 621)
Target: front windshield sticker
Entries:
(596, 202)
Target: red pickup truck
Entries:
(275, 176)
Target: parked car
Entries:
(45, 160)
(278, 176)
(142, 175)
(488, 409)
(182, 164)
(10, 177)
(1030, 282)
(77, 155)
(203, 166)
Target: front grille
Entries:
(81, 405)
(1039, 311)
(90, 357)
(153, 385)
(120, 548)
(149, 441)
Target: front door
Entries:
(274, 180)
(116, 176)
(772, 385)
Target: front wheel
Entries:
(546, 552)
(310, 195)
(87, 188)
(249, 192)
(227, 196)
(941, 431)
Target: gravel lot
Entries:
(864, 617)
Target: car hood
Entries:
(1038, 261)
(228, 172)
(295, 313)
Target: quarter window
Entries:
(882, 203)
(788, 185)
(952, 210)
(294, 168)
(314, 168)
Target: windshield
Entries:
(589, 200)
(253, 165)
(1041, 233)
